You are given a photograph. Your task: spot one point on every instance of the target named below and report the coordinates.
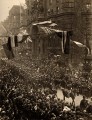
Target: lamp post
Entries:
(87, 19)
(87, 65)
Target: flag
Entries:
(19, 36)
(61, 35)
(29, 39)
(8, 52)
(80, 45)
(64, 39)
(16, 41)
(9, 43)
(62, 42)
(12, 42)
(66, 42)
(23, 38)
(88, 46)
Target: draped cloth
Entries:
(8, 51)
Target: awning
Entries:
(43, 23)
(38, 29)
(47, 30)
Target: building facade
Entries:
(35, 10)
(75, 15)
(16, 19)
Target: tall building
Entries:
(16, 19)
(35, 10)
(75, 15)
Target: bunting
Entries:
(24, 37)
(65, 42)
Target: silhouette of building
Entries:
(73, 15)
(16, 19)
(69, 15)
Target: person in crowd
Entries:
(83, 104)
(89, 108)
(35, 98)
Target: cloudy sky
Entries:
(6, 5)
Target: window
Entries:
(68, 3)
(71, 5)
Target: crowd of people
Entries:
(60, 73)
(35, 97)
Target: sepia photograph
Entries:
(45, 59)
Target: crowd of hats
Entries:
(51, 70)
(29, 92)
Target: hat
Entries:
(81, 118)
(84, 96)
(91, 98)
(66, 109)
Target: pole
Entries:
(86, 36)
(87, 42)
(71, 48)
(20, 12)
